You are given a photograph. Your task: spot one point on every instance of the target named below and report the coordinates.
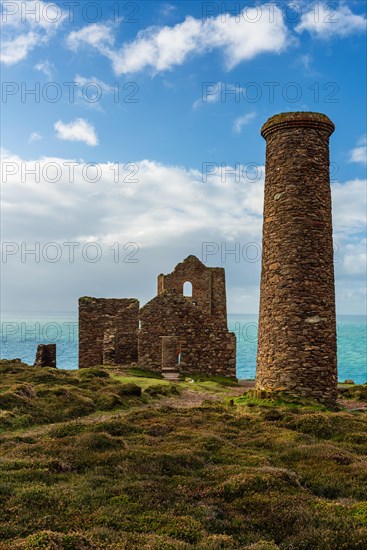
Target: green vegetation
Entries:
(221, 380)
(356, 392)
(280, 399)
(93, 460)
(140, 373)
(31, 395)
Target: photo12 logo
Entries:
(269, 92)
(69, 252)
(235, 251)
(246, 332)
(80, 90)
(54, 13)
(56, 171)
(238, 252)
(327, 12)
(249, 172)
(51, 332)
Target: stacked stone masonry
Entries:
(170, 352)
(45, 355)
(297, 328)
(170, 357)
(109, 330)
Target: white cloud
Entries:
(355, 258)
(164, 197)
(18, 48)
(97, 35)
(166, 201)
(99, 84)
(241, 121)
(91, 91)
(359, 153)
(35, 136)
(167, 10)
(162, 48)
(248, 35)
(46, 68)
(151, 210)
(78, 130)
(305, 60)
(211, 93)
(349, 207)
(322, 21)
(170, 211)
(26, 25)
(35, 13)
(350, 298)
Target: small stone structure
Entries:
(116, 331)
(45, 355)
(297, 328)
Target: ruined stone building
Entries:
(297, 327)
(45, 355)
(190, 330)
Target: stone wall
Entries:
(108, 331)
(205, 347)
(208, 286)
(219, 299)
(170, 354)
(45, 355)
(297, 328)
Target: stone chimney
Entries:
(297, 327)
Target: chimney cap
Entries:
(298, 119)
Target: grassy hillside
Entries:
(96, 459)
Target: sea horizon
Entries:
(21, 332)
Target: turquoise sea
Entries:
(21, 334)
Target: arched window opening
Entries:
(187, 289)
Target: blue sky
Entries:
(179, 158)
